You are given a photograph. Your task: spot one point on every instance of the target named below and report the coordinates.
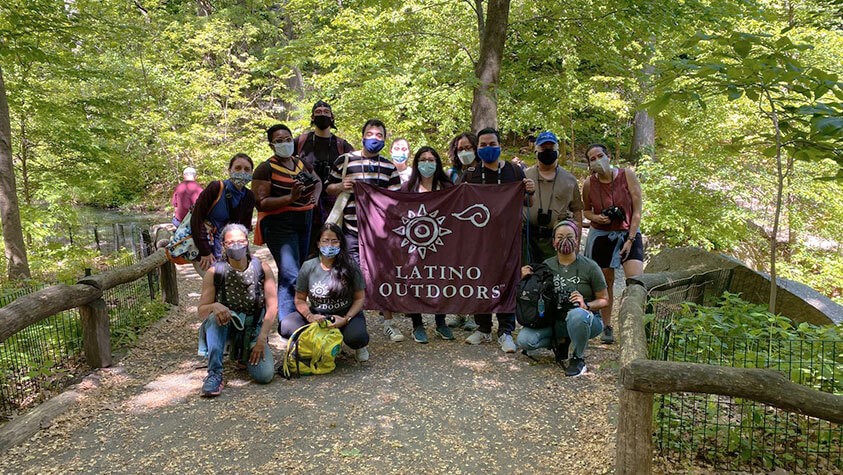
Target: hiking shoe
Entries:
(562, 350)
(392, 333)
(455, 321)
(507, 345)
(470, 325)
(362, 354)
(608, 335)
(212, 386)
(445, 332)
(479, 337)
(420, 335)
(576, 367)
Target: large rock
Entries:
(794, 300)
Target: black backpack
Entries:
(536, 305)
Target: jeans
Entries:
(216, 337)
(417, 319)
(352, 243)
(580, 325)
(354, 334)
(506, 323)
(289, 249)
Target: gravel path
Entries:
(445, 407)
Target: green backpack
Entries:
(312, 349)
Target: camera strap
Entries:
(552, 188)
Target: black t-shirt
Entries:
(481, 175)
(321, 152)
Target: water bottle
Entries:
(541, 307)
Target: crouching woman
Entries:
(331, 285)
(237, 293)
(580, 280)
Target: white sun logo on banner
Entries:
(422, 231)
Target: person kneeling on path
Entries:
(578, 280)
(331, 285)
(237, 293)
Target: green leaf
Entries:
(734, 93)
(742, 47)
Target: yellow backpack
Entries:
(312, 349)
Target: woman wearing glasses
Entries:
(331, 285)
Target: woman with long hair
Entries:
(463, 154)
(612, 202)
(428, 175)
(331, 285)
(220, 203)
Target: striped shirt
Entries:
(378, 171)
(282, 180)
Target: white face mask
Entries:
(466, 157)
(600, 166)
(284, 149)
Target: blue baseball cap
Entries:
(545, 137)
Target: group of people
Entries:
(295, 189)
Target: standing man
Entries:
(557, 198)
(185, 195)
(365, 166)
(319, 149)
(495, 171)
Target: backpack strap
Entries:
(301, 142)
(220, 271)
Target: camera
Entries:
(322, 168)
(305, 179)
(563, 301)
(543, 218)
(614, 213)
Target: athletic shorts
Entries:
(601, 252)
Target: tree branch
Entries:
(438, 35)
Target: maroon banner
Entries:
(451, 251)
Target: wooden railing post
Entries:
(96, 337)
(634, 440)
(169, 281)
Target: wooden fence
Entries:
(641, 378)
(87, 295)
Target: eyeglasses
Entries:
(239, 241)
(329, 242)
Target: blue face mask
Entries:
(489, 154)
(399, 157)
(373, 145)
(329, 251)
(427, 169)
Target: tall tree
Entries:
(484, 106)
(18, 265)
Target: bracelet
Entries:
(348, 317)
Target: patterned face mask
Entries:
(329, 251)
(241, 179)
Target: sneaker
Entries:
(419, 334)
(362, 354)
(608, 335)
(479, 337)
(212, 386)
(392, 333)
(470, 325)
(455, 321)
(445, 333)
(562, 350)
(576, 367)
(507, 345)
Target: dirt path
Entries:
(436, 408)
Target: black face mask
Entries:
(547, 156)
(322, 122)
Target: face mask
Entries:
(399, 157)
(322, 122)
(237, 252)
(427, 169)
(466, 157)
(284, 149)
(489, 154)
(329, 251)
(241, 179)
(373, 145)
(600, 166)
(567, 246)
(547, 156)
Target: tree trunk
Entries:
(18, 266)
(780, 180)
(484, 106)
(295, 82)
(643, 124)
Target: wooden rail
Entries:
(641, 377)
(87, 296)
